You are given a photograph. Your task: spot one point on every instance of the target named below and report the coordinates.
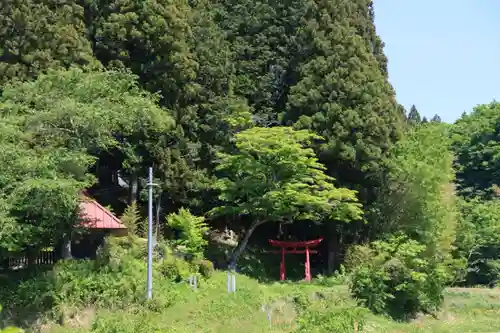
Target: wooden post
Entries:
(282, 265)
(308, 265)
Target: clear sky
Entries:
(444, 55)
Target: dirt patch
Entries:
(70, 318)
(280, 312)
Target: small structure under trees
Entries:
(99, 223)
(290, 247)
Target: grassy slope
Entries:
(211, 309)
(465, 310)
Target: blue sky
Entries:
(444, 55)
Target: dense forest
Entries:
(265, 120)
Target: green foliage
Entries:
(342, 94)
(40, 188)
(325, 318)
(40, 35)
(145, 34)
(176, 49)
(10, 329)
(193, 230)
(54, 129)
(414, 116)
(131, 218)
(206, 268)
(273, 176)
(478, 240)
(116, 279)
(418, 197)
(399, 279)
(175, 269)
(338, 278)
(93, 111)
(476, 146)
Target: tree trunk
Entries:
(66, 247)
(333, 247)
(133, 188)
(243, 244)
(158, 211)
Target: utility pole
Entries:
(150, 235)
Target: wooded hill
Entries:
(252, 114)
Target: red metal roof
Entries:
(97, 217)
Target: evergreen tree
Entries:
(342, 94)
(39, 34)
(266, 52)
(436, 119)
(414, 116)
(343, 107)
(176, 49)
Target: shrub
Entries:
(206, 268)
(175, 269)
(131, 218)
(10, 329)
(398, 279)
(114, 249)
(192, 230)
(355, 256)
(338, 278)
(325, 318)
(116, 279)
(478, 241)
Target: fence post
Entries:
(231, 282)
(267, 309)
(193, 282)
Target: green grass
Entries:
(473, 310)
(211, 309)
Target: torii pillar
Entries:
(291, 248)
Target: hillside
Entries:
(212, 310)
(107, 296)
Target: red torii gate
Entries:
(291, 248)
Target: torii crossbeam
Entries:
(291, 248)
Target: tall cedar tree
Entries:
(343, 95)
(36, 35)
(414, 116)
(176, 49)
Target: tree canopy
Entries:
(275, 177)
(54, 130)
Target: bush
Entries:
(338, 278)
(206, 268)
(325, 318)
(131, 218)
(192, 230)
(116, 279)
(478, 241)
(398, 279)
(175, 269)
(10, 329)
